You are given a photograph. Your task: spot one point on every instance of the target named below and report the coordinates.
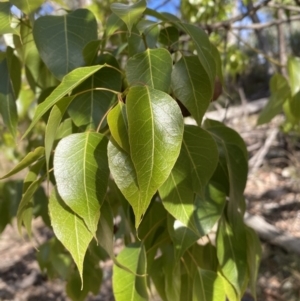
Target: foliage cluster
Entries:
(108, 138)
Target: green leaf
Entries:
(59, 41)
(81, 173)
(130, 14)
(112, 24)
(169, 37)
(155, 129)
(191, 85)
(52, 127)
(145, 69)
(5, 18)
(69, 82)
(30, 158)
(90, 51)
(203, 48)
(208, 286)
(181, 236)
(295, 105)
(92, 278)
(186, 292)
(191, 173)
(127, 286)
(231, 252)
(27, 7)
(234, 152)
(69, 229)
(150, 31)
(30, 186)
(253, 258)
(280, 91)
(89, 108)
(10, 70)
(135, 41)
(118, 125)
(293, 66)
(157, 275)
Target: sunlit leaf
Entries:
(293, 66)
(5, 18)
(208, 286)
(69, 82)
(128, 286)
(30, 158)
(61, 43)
(69, 229)
(81, 173)
(146, 69)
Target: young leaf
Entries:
(145, 69)
(191, 85)
(128, 286)
(208, 286)
(69, 82)
(70, 230)
(231, 252)
(81, 173)
(155, 128)
(30, 158)
(59, 41)
(130, 14)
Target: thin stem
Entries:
(102, 119)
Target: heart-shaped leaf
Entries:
(81, 173)
(146, 69)
(61, 41)
(69, 229)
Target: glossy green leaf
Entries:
(254, 253)
(127, 286)
(59, 41)
(5, 18)
(89, 108)
(208, 286)
(118, 125)
(146, 69)
(231, 252)
(203, 48)
(229, 289)
(27, 6)
(81, 173)
(92, 278)
(30, 186)
(52, 127)
(69, 229)
(30, 158)
(293, 66)
(181, 236)
(130, 14)
(69, 82)
(191, 86)
(280, 91)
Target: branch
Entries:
(286, 7)
(227, 23)
(267, 24)
(162, 4)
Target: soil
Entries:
(273, 191)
